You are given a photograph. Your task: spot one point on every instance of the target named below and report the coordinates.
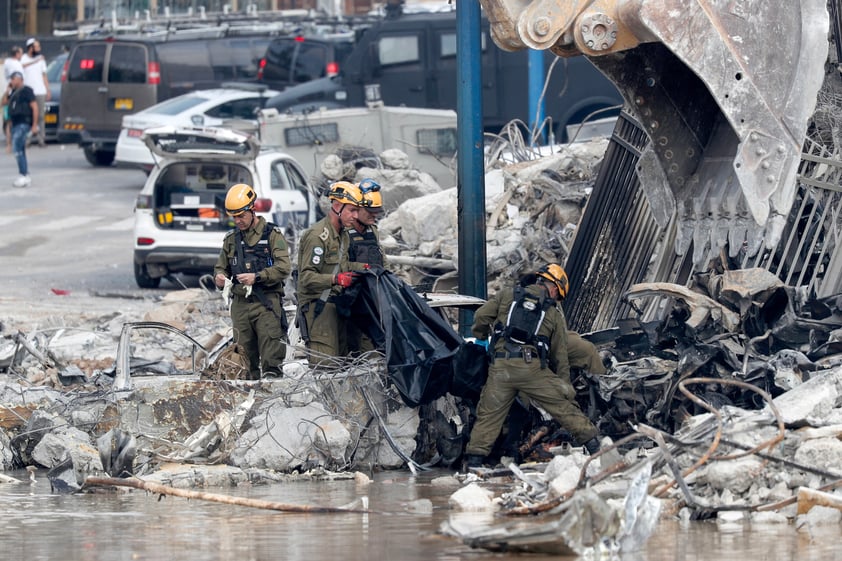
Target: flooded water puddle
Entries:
(136, 525)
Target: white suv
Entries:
(180, 217)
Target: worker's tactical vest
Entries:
(526, 314)
(364, 248)
(252, 259)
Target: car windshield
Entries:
(177, 105)
(54, 69)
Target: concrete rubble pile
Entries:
(533, 204)
(177, 401)
(532, 208)
(728, 407)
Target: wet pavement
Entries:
(38, 525)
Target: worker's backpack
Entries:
(526, 314)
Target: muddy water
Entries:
(36, 525)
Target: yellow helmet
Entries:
(345, 192)
(239, 199)
(555, 274)
(370, 194)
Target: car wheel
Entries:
(100, 158)
(142, 278)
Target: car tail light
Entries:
(145, 241)
(154, 74)
(134, 133)
(260, 67)
(299, 39)
(263, 205)
(332, 68)
(143, 201)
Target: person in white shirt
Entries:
(35, 76)
(11, 65)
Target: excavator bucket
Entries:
(724, 89)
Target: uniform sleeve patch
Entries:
(316, 259)
(318, 251)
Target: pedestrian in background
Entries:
(35, 76)
(23, 114)
(10, 65)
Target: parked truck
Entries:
(411, 61)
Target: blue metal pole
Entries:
(536, 84)
(470, 176)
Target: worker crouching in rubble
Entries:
(323, 272)
(364, 251)
(528, 333)
(255, 259)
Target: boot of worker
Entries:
(472, 461)
(592, 446)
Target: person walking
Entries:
(35, 76)
(255, 259)
(23, 114)
(10, 65)
(529, 350)
(323, 272)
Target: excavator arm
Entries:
(724, 89)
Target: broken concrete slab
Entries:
(402, 425)
(818, 516)
(281, 438)
(811, 402)
(736, 476)
(55, 446)
(472, 497)
(821, 453)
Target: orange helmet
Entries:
(555, 274)
(239, 199)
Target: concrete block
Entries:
(472, 497)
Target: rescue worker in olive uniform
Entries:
(363, 237)
(255, 258)
(364, 251)
(583, 355)
(323, 271)
(529, 337)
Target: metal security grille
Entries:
(810, 253)
(618, 242)
(616, 238)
